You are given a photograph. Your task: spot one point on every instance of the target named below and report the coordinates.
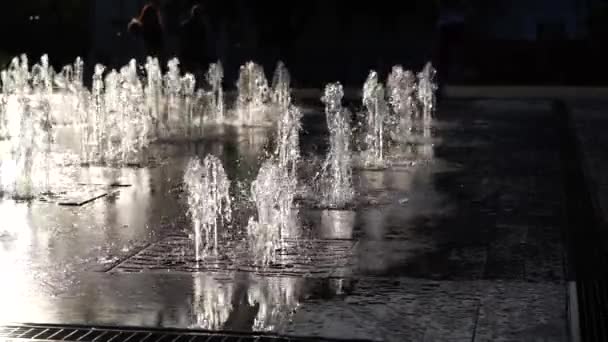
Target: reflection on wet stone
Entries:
(441, 226)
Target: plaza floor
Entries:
(468, 246)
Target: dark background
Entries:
(557, 42)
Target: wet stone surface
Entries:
(590, 123)
(466, 246)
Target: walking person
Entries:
(194, 47)
(150, 24)
(136, 40)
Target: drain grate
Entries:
(34, 332)
(297, 258)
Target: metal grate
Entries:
(35, 332)
(297, 258)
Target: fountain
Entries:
(172, 90)
(42, 77)
(99, 114)
(3, 130)
(281, 91)
(376, 116)
(43, 113)
(273, 193)
(209, 202)
(401, 91)
(188, 87)
(24, 150)
(154, 91)
(288, 139)
(4, 97)
(336, 176)
(253, 96)
(215, 77)
(133, 124)
(427, 87)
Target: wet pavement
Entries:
(590, 122)
(465, 247)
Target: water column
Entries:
(427, 87)
(124, 115)
(188, 86)
(78, 74)
(140, 121)
(46, 74)
(215, 77)
(87, 115)
(24, 149)
(112, 109)
(401, 91)
(3, 122)
(288, 139)
(135, 124)
(337, 170)
(273, 192)
(154, 91)
(253, 95)
(281, 91)
(4, 97)
(42, 81)
(376, 112)
(172, 92)
(209, 202)
(24, 144)
(100, 126)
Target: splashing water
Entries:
(209, 202)
(43, 115)
(99, 114)
(253, 95)
(273, 192)
(215, 77)
(288, 149)
(401, 91)
(336, 177)
(4, 97)
(281, 92)
(134, 125)
(188, 87)
(154, 90)
(172, 91)
(78, 73)
(427, 87)
(42, 77)
(24, 150)
(25, 117)
(376, 112)
(3, 117)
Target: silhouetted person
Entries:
(152, 29)
(136, 39)
(194, 55)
